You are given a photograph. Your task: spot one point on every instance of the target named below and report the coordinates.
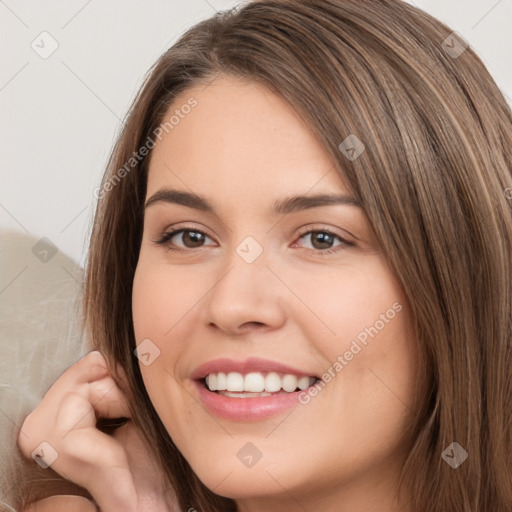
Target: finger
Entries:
(107, 399)
(82, 407)
(99, 464)
(62, 502)
(100, 399)
(75, 408)
(88, 369)
(91, 367)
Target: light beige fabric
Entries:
(40, 293)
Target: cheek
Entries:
(163, 308)
(161, 298)
(367, 341)
(354, 302)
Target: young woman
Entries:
(299, 285)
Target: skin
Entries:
(57, 503)
(242, 148)
(117, 469)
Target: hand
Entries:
(117, 470)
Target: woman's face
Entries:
(263, 291)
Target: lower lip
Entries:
(246, 409)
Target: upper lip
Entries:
(253, 364)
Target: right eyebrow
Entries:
(189, 199)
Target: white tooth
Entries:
(254, 382)
(272, 382)
(312, 380)
(221, 381)
(243, 395)
(289, 383)
(211, 382)
(302, 382)
(235, 381)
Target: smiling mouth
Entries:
(256, 384)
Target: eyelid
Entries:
(325, 229)
(171, 231)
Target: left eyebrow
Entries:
(282, 206)
(298, 203)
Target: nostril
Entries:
(252, 324)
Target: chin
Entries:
(241, 483)
(225, 473)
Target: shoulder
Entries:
(67, 503)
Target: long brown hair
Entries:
(434, 181)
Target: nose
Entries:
(245, 296)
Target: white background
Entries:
(59, 116)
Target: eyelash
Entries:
(302, 233)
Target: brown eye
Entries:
(184, 239)
(192, 239)
(322, 242)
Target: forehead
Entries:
(239, 136)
